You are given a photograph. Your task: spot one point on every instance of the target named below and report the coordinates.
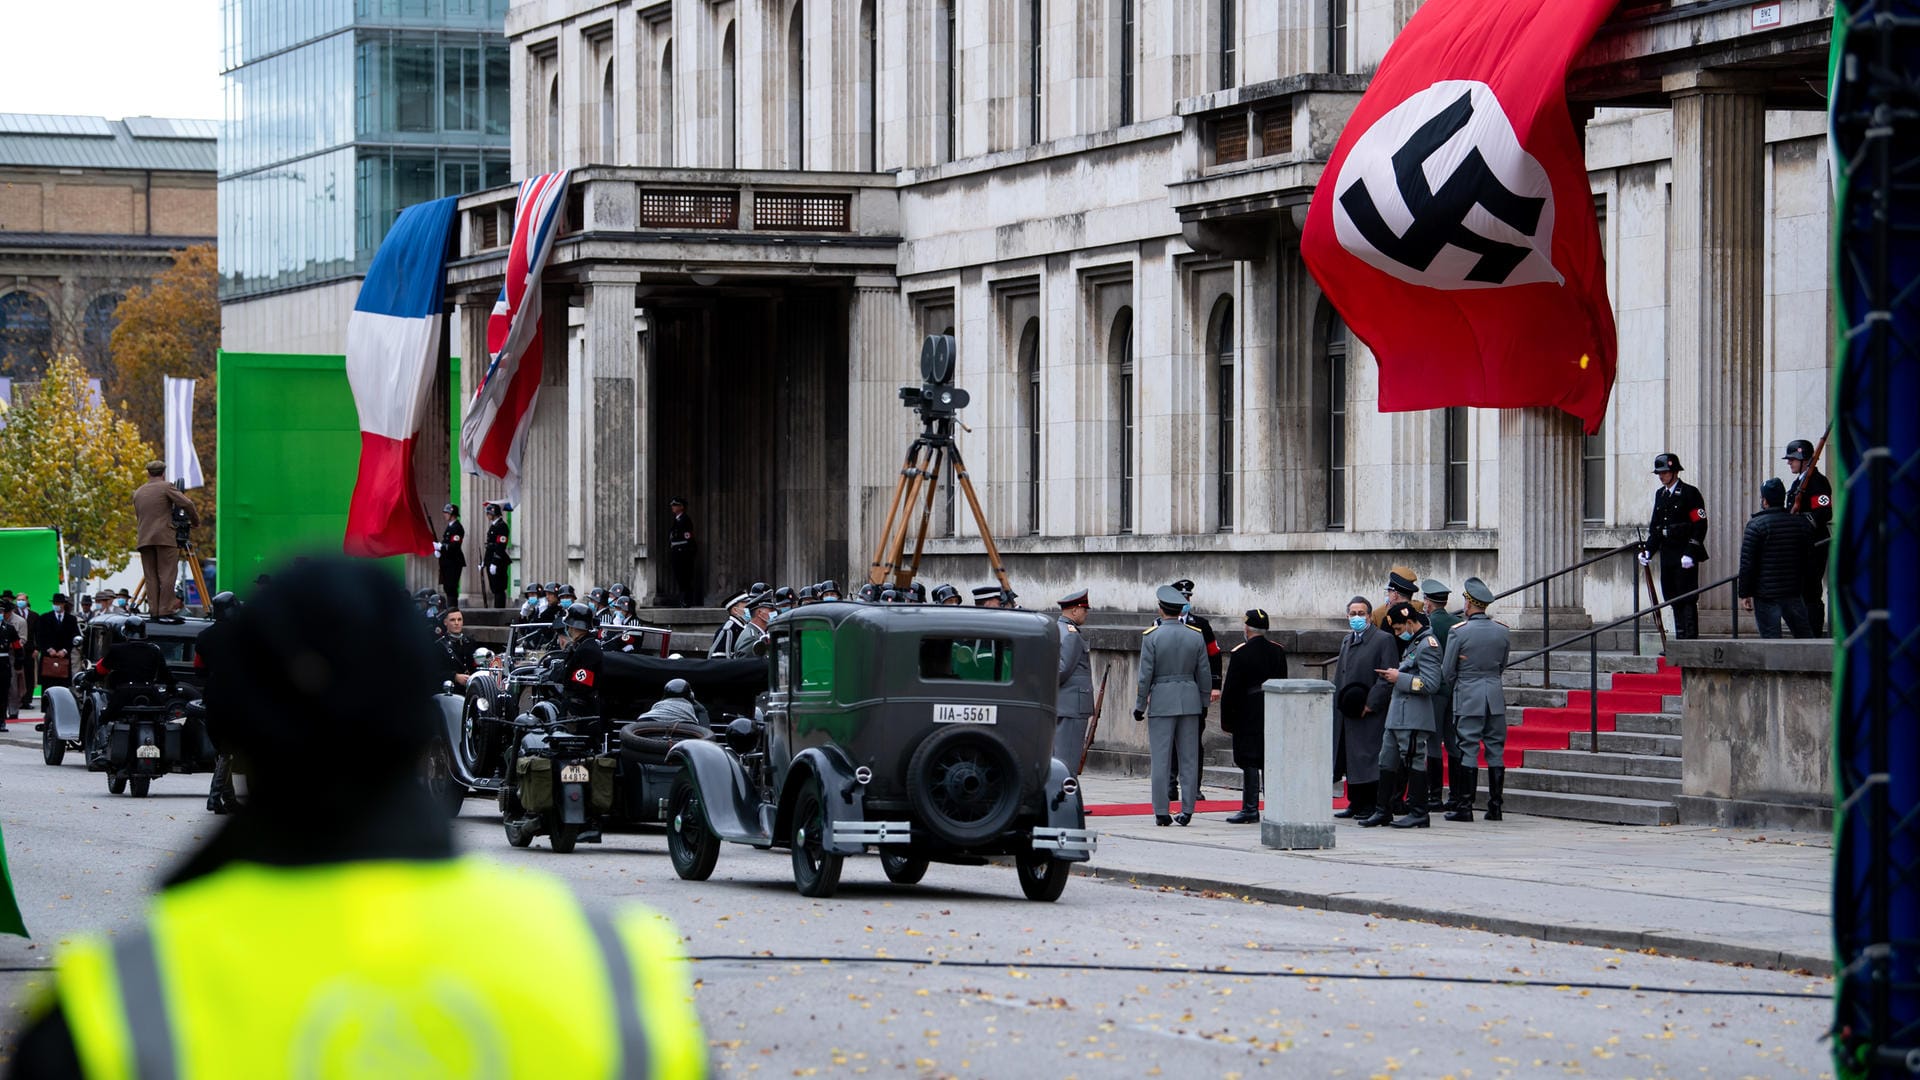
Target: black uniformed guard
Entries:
(221, 797)
(682, 557)
(458, 646)
(581, 664)
(452, 550)
(1243, 707)
(947, 596)
(987, 596)
(1817, 507)
(828, 591)
(495, 555)
(1677, 535)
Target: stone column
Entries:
(1299, 803)
(1715, 331)
(609, 453)
(878, 363)
(1540, 512)
(1300, 484)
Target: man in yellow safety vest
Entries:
(330, 929)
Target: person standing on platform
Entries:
(1360, 700)
(153, 506)
(1243, 707)
(1677, 535)
(1818, 510)
(452, 550)
(1776, 555)
(1171, 696)
(1475, 660)
(495, 556)
(1073, 703)
(682, 557)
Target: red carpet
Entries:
(1550, 729)
(1207, 806)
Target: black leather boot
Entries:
(1436, 786)
(1416, 815)
(1464, 780)
(1249, 799)
(1382, 813)
(1496, 791)
(1456, 789)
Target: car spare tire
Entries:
(965, 785)
(649, 740)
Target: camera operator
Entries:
(164, 516)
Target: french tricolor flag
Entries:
(393, 341)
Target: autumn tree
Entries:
(172, 327)
(72, 463)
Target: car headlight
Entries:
(482, 704)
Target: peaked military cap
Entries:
(1170, 597)
(1477, 591)
(1401, 585)
(1257, 619)
(1435, 587)
(1185, 585)
(982, 592)
(1073, 599)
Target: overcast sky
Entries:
(112, 58)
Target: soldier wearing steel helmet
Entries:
(1818, 510)
(1677, 536)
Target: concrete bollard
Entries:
(1299, 810)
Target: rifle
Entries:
(1800, 498)
(1093, 722)
(1659, 617)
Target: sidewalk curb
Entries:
(1661, 942)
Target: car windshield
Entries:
(176, 650)
(967, 660)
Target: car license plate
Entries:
(573, 774)
(966, 714)
(147, 750)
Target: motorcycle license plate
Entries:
(148, 751)
(573, 774)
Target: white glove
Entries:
(1646, 559)
(1686, 562)
(489, 570)
(436, 547)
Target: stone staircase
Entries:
(1553, 768)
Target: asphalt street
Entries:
(960, 976)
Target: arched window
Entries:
(1220, 347)
(97, 334)
(1029, 384)
(666, 105)
(1332, 387)
(606, 116)
(1120, 354)
(26, 334)
(867, 90)
(553, 123)
(797, 88)
(729, 102)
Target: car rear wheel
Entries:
(692, 846)
(903, 869)
(1042, 877)
(139, 785)
(816, 871)
(116, 785)
(965, 785)
(53, 750)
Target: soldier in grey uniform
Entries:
(1475, 656)
(1412, 718)
(761, 610)
(1074, 702)
(1175, 683)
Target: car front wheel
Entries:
(816, 872)
(53, 750)
(1042, 877)
(692, 846)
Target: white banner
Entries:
(183, 462)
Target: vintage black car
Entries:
(130, 709)
(920, 731)
(73, 716)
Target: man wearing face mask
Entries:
(1416, 682)
(1360, 699)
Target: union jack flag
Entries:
(494, 434)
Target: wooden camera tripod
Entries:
(919, 479)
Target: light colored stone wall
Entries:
(301, 322)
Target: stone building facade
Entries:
(89, 208)
(1101, 200)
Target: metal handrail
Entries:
(1545, 585)
(1592, 638)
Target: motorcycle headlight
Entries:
(482, 704)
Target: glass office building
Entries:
(340, 113)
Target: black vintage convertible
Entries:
(922, 732)
(131, 710)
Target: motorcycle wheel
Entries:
(816, 872)
(1042, 877)
(693, 848)
(137, 786)
(903, 869)
(517, 835)
(563, 838)
(53, 750)
(116, 784)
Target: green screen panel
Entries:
(30, 563)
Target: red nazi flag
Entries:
(1454, 226)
